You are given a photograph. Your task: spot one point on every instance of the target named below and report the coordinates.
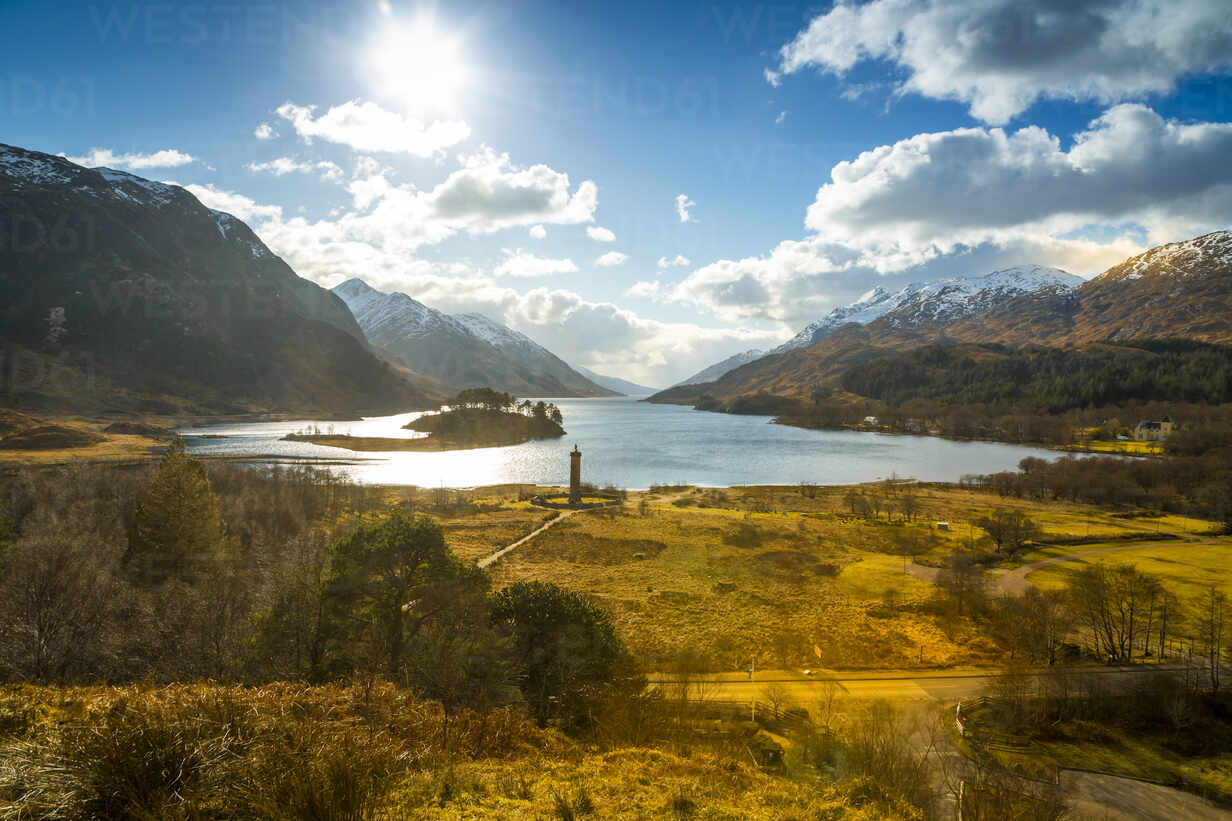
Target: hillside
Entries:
(464, 351)
(924, 305)
(719, 368)
(533, 355)
(1182, 290)
(615, 383)
(119, 293)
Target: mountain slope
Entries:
(1180, 290)
(615, 383)
(917, 312)
(941, 302)
(446, 348)
(158, 299)
(719, 368)
(532, 354)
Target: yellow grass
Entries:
(631, 784)
(1129, 446)
(368, 751)
(680, 579)
(1187, 569)
(114, 448)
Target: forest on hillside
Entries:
(1048, 380)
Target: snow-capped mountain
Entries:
(530, 353)
(615, 383)
(385, 317)
(172, 299)
(940, 301)
(720, 368)
(1209, 253)
(467, 350)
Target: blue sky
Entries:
(469, 153)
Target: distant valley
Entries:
(1115, 330)
(124, 296)
(466, 351)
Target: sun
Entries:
(419, 64)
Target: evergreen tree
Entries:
(176, 530)
(567, 648)
(388, 580)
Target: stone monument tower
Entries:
(575, 476)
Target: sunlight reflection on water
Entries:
(633, 445)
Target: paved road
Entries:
(894, 685)
(1112, 798)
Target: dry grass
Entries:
(1186, 569)
(634, 783)
(112, 447)
(766, 573)
(735, 586)
(360, 753)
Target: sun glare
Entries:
(419, 64)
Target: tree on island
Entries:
(491, 400)
(485, 399)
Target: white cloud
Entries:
(489, 193)
(387, 223)
(167, 158)
(612, 258)
(645, 289)
(1000, 56)
(264, 131)
(525, 264)
(282, 166)
(971, 200)
(538, 232)
(678, 261)
(367, 167)
(581, 331)
(365, 126)
(683, 204)
(934, 192)
(235, 204)
(600, 234)
(779, 119)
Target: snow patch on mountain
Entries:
(37, 169)
(396, 312)
(720, 368)
(147, 191)
(943, 300)
(1192, 257)
(496, 334)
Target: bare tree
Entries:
(1212, 631)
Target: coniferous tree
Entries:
(176, 530)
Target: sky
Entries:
(647, 188)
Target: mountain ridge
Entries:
(170, 303)
(1181, 289)
(465, 351)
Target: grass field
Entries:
(1129, 446)
(766, 574)
(733, 586)
(1187, 569)
(113, 447)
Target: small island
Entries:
(476, 418)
